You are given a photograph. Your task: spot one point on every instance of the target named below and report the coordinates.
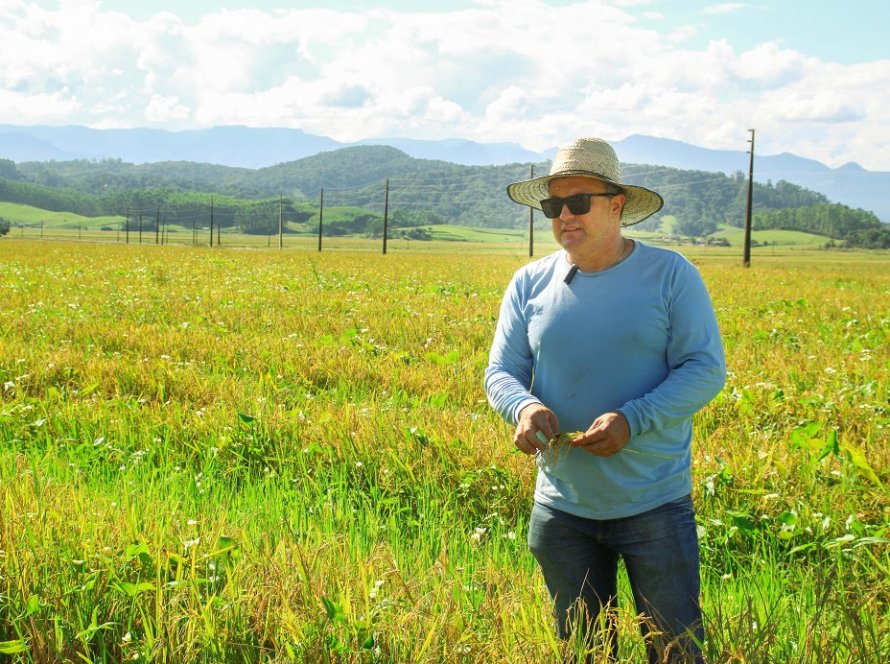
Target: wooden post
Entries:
(385, 214)
(531, 223)
(280, 223)
(320, 216)
(746, 260)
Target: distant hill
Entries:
(264, 148)
(227, 146)
(850, 184)
(256, 148)
(420, 192)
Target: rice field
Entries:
(219, 455)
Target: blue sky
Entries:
(810, 75)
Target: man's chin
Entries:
(571, 239)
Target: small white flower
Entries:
(192, 522)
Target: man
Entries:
(617, 340)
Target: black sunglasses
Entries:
(577, 204)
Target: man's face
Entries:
(587, 233)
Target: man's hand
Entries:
(607, 435)
(533, 419)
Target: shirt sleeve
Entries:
(510, 372)
(695, 359)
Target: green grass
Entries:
(245, 456)
(467, 234)
(18, 214)
(65, 225)
(736, 237)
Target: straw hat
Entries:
(594, 158)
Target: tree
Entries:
(4, 226)
(417, 233)
(872, 238)
(832, 219)
(8, 169)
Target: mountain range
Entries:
(254, 148)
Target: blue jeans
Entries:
(579, 560)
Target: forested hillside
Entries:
(420, 191)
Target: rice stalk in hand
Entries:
(559, 444)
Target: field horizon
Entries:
(33, 223)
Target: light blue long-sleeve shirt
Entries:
(640, 338)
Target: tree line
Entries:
(420, 192)
(830, 219)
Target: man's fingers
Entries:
(537, 425)
(528, 443)
(607, 435)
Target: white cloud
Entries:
(494, 72)
(726, 8)
(162, 109)
(683, 33)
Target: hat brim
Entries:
(640, 203)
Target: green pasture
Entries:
(18, 214)
(228, 455)
(736, 237)
(31, 222)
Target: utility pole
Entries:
(158, 224)
(746, 261)
(385, 214)
(211, 221)
(280, 223)
(531, 222)
(320, 216)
